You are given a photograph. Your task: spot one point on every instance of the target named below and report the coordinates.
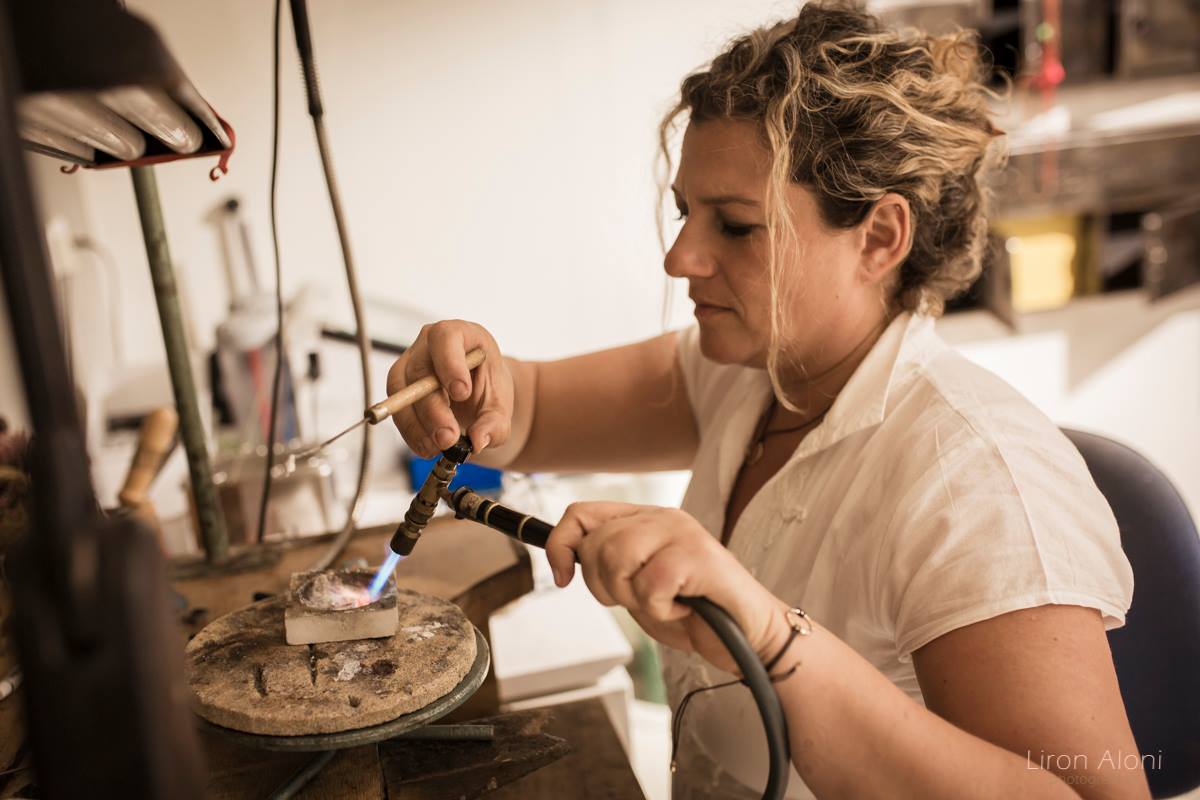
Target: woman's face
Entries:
(723, 248)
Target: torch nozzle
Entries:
(423, 506)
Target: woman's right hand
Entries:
(481, 403)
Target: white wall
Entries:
(63, 202)
(495, 159)
(1118, 365)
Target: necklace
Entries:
(757, 446)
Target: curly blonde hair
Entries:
(853, 111)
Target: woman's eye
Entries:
(735, 231)
(682, 213)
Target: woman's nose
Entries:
(688, 259)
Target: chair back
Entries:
(1157, 652)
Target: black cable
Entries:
(309, 66)
(534, 531)
(382, 345)
(276, 378)
(755, 676)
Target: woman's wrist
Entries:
(776, 631)
(780, 638)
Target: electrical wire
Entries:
(279, 355)
(315, 110)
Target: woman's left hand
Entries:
(643, 557)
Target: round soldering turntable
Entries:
(251, 686)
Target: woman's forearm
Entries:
(624, 409)
(855, 734)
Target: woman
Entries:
(957, 564)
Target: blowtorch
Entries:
(468, 504)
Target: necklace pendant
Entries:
(755, 453)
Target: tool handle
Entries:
(155, 438)
(415, 391)
(522, 527)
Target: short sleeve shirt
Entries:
(931, 496)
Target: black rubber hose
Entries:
(756, 678)
(534, 531)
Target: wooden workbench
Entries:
(595, 768)
(479, 570)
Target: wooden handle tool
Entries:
(384, 409)
(155, 439)
(414, 391)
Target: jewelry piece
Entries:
(801, 622)
(801, 625)
(757, 446)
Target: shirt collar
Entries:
(862, 402)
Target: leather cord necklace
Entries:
(757, 446)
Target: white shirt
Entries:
(931, 496)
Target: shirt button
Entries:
(794, 514)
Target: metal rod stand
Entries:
(191, 429)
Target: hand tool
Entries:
(156, 438)
(417, 390)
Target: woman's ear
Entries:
(887, 237)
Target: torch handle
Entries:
(522, 527)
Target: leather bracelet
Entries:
(801, 625)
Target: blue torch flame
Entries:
(385, 572)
